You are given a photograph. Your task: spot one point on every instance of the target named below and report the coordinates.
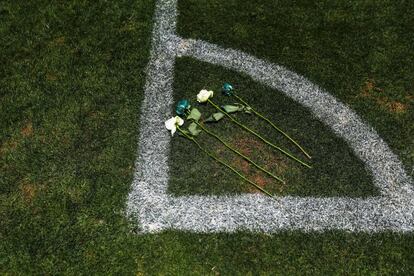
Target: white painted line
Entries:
(155, 210)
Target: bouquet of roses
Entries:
(196, 125)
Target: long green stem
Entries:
(258, 135)
(239, 153)
(223, 163)
(273, 125)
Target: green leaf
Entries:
(248, 110)
(195, 115)
(215, 117)
(231, 108)
(218, 116)
(210, 119)
(193, 129)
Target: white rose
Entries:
(204, 95)
(171, 124)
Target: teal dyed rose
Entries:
(227, 89)
(183, 106)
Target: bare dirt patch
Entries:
(27, 130)
(376, 94)
(259, 153)
(7, 146)
(29, 190)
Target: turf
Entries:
(336, 171)
(71, 85)
(71, 82)
(360, 51)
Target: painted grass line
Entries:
(155, 210)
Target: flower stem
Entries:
(239, 153)
(223, 163)
(272, 124)
(258, 135)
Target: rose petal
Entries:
(170, 123)
(179, 120)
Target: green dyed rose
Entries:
(183, 106)
(227, 89)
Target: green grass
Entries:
(336, 171)
(360, 51)
(71, 83)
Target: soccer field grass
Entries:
(72, 80)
